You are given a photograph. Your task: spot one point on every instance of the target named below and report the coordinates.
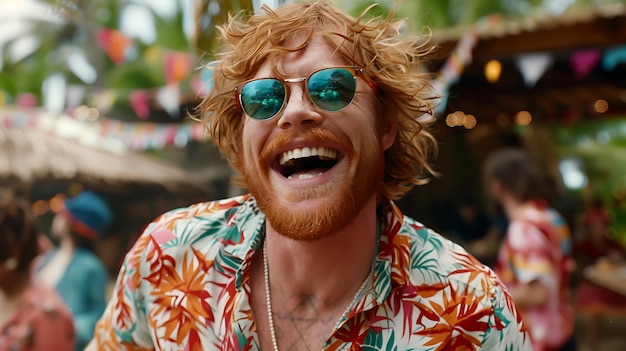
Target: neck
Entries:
(511, 206)
(67, 244)
(310, 268)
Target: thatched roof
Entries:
(28, 155)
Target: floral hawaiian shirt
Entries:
(538, 247)
(185, 286)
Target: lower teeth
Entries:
(303, 176)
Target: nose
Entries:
(299, 111)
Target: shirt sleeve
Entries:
(124, 325)
(506, 329)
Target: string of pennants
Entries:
(532, 66)
(109, 134)
(182, 77)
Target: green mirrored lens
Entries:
(263, 98)
(332, 89)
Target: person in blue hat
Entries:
(72, 267)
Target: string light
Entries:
(459, 118)
(469, 122)
(493, 69)
(601, 106)
(523, 118)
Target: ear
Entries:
(388, 134)
(495, 188)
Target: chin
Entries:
(314, 184)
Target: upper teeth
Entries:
(307, 152)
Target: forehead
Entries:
(316, 55)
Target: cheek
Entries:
(252, 137)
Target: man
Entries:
(534, 260)
(318, 113)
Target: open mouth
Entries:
(306, 162)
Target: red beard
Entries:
(348, 199)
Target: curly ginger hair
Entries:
(388, 57)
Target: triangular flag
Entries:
(169, 98)
(533, 66)
(26, 100)
(114, 43)
(206, 79)
(584, 61)
(177, 66)
(139, 102)
(613, 57)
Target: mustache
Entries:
(312, 135)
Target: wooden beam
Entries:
(598, 32)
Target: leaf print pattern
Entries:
(185, 286)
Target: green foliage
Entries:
(134, 75)
(207, 20)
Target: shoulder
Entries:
(437, 259)
(449, 276)
(200, 212)
(200, 219)
(205, 226)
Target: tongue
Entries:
(307, 174)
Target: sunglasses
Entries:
(330, 89)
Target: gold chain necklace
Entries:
(268, 300)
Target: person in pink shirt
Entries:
(534, 260)
(32, 317)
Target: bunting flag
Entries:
(140, 104)
(169, 98)
(453, 68)
(26, 100)
(533, 66)
(613, 57)
(584, 61)
(122, 135)
(460, 58)
(178, 65)
(114, 43)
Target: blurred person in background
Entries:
(534, 260)
(32, 317)
(72, 268)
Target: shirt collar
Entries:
(249, 222)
